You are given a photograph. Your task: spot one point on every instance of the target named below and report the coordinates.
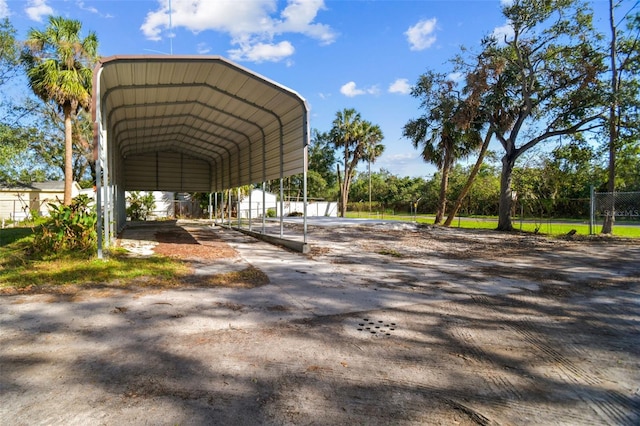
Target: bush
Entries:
(69, 228)
(140, 205)
(271, 212)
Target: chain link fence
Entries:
(619, 207)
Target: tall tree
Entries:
(540, 83)
(59, 66)
(373, 148)
(353, 135)
(9, 52)
(624, 61)
(472, 116)
(322, 156)
(437, 133)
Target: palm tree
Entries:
(437, 133)
(343, 135)
(59, 67)
(372, 136)
(360, 141)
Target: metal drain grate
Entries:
(376, 327)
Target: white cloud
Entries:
(203, 48)
(400, 86)
(351, 90)
(36, 9)
(4, 9)
(421, 35)
(261, 52)
(252, 25)
(81, 5)
(504, 32)
(298, 18)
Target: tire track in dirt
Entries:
(339, 396)
(504, 395)
(610, 406)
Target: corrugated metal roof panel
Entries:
(205, 108)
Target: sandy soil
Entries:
(377, 325)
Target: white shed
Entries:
(259, 202)
(18, 202)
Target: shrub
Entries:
(140, 205)
(271, 212)
(69, 228)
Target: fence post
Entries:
(592, 209)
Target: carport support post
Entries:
(99, 199)
(281, 204)
(250, 205)
(238, 209)
(215, 206)
(99, 183)
(264, 206)
(304, 199)
(210, 210)
(229, 204)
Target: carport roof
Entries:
(204, 110)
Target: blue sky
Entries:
(336, 54)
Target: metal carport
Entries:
(189, 124)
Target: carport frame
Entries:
(108, 145)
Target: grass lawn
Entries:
(22, 272)
(555, 227)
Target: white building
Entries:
(18, 202)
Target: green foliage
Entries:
(387, 191)
(68, 229)
(59, 63)
(443, 133)
(17, 163)
(539, 84)
(322, 158)
(271, 212)
(9, 52)
(628, 166)
(140, 206)
(59, 69)
(360, 140)
(22, 271)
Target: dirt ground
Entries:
(379, 324)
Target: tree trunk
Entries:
(442, 199)
(340, 202)
(344, 191)
(506, 196)
(343, 200)
(346, 185)
(444, 185)
(68, 155)
(607, 226)
(467, 186)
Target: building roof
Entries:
(196, 123)
(48, 186)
